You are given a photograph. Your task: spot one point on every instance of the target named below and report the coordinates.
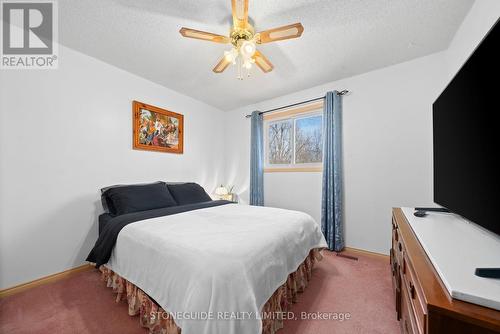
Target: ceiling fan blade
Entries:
(203, 35)
(262, 62)
(240, 13)
(277, 34)
(221, 65)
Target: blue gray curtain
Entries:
(331, 198)
(257, 160)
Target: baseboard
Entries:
(44, 280)
(365, 252)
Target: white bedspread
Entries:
(215, 261)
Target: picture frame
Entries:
(157, 129)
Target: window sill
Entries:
(294, 170)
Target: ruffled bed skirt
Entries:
(158, 321)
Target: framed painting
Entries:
(157, 129)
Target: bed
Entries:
(201, 266)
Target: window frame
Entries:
(310, 110)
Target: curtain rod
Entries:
(343, 92)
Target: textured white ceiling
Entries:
(341, 38)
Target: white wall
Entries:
(387, 138)
(481, 17)
(387, 149)
(66, 133)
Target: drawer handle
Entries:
(412, 290)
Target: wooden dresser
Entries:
(423, 304)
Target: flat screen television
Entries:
(466, 125)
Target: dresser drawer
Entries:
(408, 321)
(397, 243)
(415, 296)
(396, 283)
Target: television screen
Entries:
(466, 126)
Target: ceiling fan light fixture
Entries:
(231, 55)
(247, 64)
(247, 49)
(244, 40)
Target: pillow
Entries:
(188, 193)
(127, 199)
(106, 202)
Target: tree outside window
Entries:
(309, 140)
(280, 142)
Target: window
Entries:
(294, 140)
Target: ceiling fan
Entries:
(243, 38)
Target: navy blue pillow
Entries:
(106, 202)
(133, 198)
(188, 193)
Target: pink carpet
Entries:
(82, 304)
